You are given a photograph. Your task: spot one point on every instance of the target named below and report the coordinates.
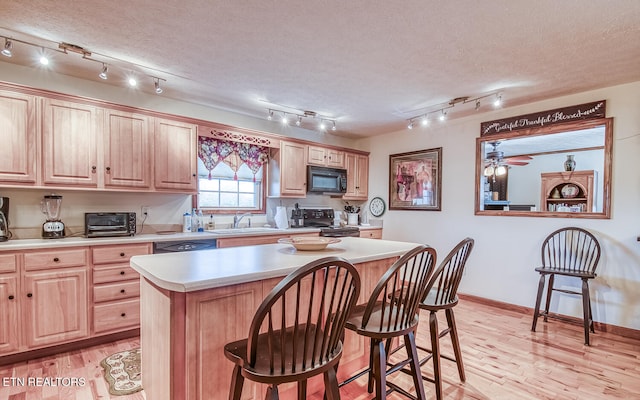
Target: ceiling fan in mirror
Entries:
(496, 163)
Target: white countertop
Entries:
(206, 269)
(26, 244)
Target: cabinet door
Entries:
(293, 174)
(316, 155)
(55, 306)
(69, 132)
(357, 177)
(335, 158)
(174, 156)
(9, 314)
(127, 150)
(18, 135)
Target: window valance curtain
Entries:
(213, 151)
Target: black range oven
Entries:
(323, 218)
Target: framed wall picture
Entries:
(415, 180)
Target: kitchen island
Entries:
(193, 303)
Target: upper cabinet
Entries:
(18, 132)
(357, 177)
(325, 157)
(69, 137)
(127, 145)
(174, 156)
(287, 170)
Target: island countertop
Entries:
(206, 269)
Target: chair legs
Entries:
(379, 368)
(536, 310)
(237, 381)
(587, 315)
(435, 352)
(451, 321)
(331, 391)
(412, 351)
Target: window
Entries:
(227, 190)
(230, 175)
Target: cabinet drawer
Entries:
(55, 259)
(116, 315)
(8, 262)
(116, 291)
(371, 233)
(114, 274)
(114, 254)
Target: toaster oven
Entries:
(108, 224)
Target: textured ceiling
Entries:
(370, 65)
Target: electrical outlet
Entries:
(144, 210)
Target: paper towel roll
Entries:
(282, 222)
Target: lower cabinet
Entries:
(116, 288)
(256, 240)
(375, 233)
(52, 297)
(56, 306)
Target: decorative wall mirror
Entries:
(562, 170)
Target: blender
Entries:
(53, 228)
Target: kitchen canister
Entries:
(282, 222)
(352, 219)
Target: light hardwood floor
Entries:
(503, 360)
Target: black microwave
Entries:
(326, 180)
(107, 224)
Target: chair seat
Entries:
(433, 302)
(565, 272)
(262, 371)
(377, 326)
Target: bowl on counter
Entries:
(309, 243)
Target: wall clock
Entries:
(377, 206)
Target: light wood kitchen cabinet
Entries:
(9, 306)
(357, 166)
(116, 288)
(287, 170)
(55, 306)
(375, 233)
(18, 133)
(326, 157)
(69, 138)
(174, 156)
(127, 146)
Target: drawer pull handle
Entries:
(123, 315)
(29, 294)
(108, 170)
(11, 297)
(121, 272)
(56, 259)
(121, 254)
(122, 291)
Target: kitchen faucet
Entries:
(237, 219)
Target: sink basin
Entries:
(235, 231)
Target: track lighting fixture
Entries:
(8, 46)
(299, 117)
(442, 109)
(106, 61)
(156, 84)
(498, 100)
(103, 73)
(43, 58)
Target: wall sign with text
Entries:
(545, 118)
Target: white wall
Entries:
(507, 249)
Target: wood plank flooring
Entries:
(503, 360)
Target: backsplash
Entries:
(165, 210)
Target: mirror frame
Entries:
(550, 130)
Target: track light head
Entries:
(410, 126)
(43, 58)
(132, 82)
(299, 121)
(498, 100)
(7, 51)
(285, 120)
(424, 121)
(323, 126)
(333, 128)
(103, 73)
(270, 115)
(477, 104)
(158, 88)
(443, 115)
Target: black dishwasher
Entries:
(184, 245)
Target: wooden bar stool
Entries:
(392, 311)
(297, 330)
(572, 252)
(442, 294)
